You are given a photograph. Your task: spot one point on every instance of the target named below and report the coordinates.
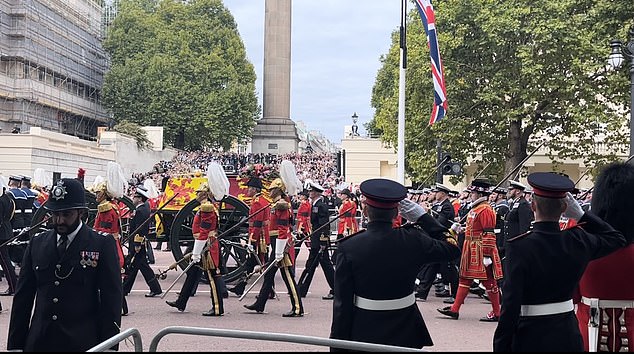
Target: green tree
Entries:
(134, 130)
(181, 65)
(518, 72)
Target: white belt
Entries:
(607, 304)
(26, 211)
(547, 309)
(384, 305)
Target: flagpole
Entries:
(400, 162)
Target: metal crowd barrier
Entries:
(108, 343)
(276, 337)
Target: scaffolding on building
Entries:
(52, 65)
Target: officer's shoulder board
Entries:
(518, 236)
(350, 236)
(102, 233)
(40, 234)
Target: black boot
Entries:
(255, 307)
(239, 288)
(176, 304)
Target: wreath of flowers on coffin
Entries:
(266, 173)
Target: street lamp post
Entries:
(355, 127)
(616, 60)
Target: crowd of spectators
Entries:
(318, 167)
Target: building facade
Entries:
(52, 66)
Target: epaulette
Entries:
(350, 236)
(207, 208)
(408, 225)
(102, 233)
(281, 205)
(39, 234)
(518, 236)
(104, 207)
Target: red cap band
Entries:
(380, 205)
(549, 194)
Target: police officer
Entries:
(371, 303)
(520, 215)
(137, 252)
(7, 207)
(547, 258)
(319, 244)
(72, 273)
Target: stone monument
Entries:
(275, 132)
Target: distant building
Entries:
(52, 66)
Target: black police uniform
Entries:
(77, 295)
(138, 260)
(7, 208)
(551, 259)
(319, 244)
(381, 264)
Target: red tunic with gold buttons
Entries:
(348, 221)
(610, 278)
(303, 217)
(280, 226)
(259, 224)
(479, 243)
(107, 220)
(205, 227)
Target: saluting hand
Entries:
(410, 210)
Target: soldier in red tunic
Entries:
(304, 227)
(259, 238)
(347, 215)
(281, 214)
(205, 232)
(480, 258)
(606, 288)
(107, 219)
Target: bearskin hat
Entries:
(613, 198)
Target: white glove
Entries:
(573, 209)
(280, 246)
(455, 227)
(410, 210)
(487, 261)
(198, 250)
(250, 248)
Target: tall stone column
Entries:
(276, 132)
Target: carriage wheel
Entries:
(232, 250)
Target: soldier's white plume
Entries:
(98, 180)
(40, 178)
(116, 183)
(151, 188)
(217, 180)
(288, 174)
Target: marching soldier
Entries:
(372, 304)
(7, 207)
(479, 241)
(520, 215)
(22, 215)
(205, 232)
(444, 213)
(304, 227)
(72, 274)
(606, 306)
(31, 197)
(501, 207)
(347, 214)
(281, 214)
(137, 251)
(547, 258)
(259, 239)
(319, 244)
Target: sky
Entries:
(335, 50)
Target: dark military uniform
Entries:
(374, 281)
(76, 286)
(519, 218)
(501, 212)
(139, 261)
(7, 207)
(319, 243)
(533, 319)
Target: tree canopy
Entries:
(518, 72)
(181, 65)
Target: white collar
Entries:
(72, 235)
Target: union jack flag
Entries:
(426, 11)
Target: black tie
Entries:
(61, 247)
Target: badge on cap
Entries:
(59, 191)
